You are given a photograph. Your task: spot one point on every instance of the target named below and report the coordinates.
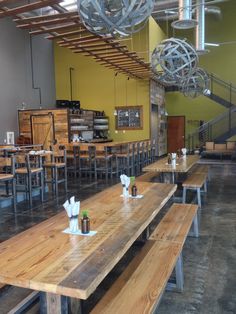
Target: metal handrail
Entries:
(215, 78)
(213, 121)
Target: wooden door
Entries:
(175, 133)
(42, 128)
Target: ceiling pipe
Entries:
(200, 29)
(185, 20)
(170, 15)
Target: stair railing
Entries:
(209, 131)
(225, 90)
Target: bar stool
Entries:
(136, 161)
(7, 176)
(103, 161)
(29, 174)
(141, 155)
(153, 150)
(72, 156)
(58, 168)
(124, 160)
(87, 164)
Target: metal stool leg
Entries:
(30, 189)
(42, 186)
(14, 194)
(184, 195)
(56, 180)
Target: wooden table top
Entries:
(182, 165)
(45, 259)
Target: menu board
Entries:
(129, 117)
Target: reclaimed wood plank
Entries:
(139, 287)
(176, 223)
(182, 165)
(195, 180)
(43, 258)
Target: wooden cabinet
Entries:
(46, 126)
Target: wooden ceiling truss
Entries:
(67, 29)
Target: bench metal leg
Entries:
(179, 273)
(184, 195)
(205, 186)
(199, 198)
(178, 285)
(195, 229)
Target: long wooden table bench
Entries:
(199, 168)
(195, 182)
(148, 177)
(140, 287)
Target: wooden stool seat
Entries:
(104, 157)
(25, 171)
(54, 164)
(6, 176)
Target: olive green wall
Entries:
(98, 88)
(220, 61)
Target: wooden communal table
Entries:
(44, 259)
(183, 165)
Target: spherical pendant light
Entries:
(197, 84)
(174, 60)
(115, 17)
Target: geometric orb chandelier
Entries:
(114, 17)
(198, 84)
(173, 61)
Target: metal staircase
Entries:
(222, 92)
(221, 127)
(217, 129)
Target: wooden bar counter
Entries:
(44, 258)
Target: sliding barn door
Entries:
(42, 127)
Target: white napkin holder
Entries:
(184, 152)
(72, 208)
(125, 181)
(173, 159)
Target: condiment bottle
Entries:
(85, 223)
(169, 159)
(134, 190)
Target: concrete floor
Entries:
(209, 262)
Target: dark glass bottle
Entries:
(85, 223)
(134, 190)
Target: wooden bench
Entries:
(140, 287)
(195, 182)
(199, 168)
(148, 177)
(2, 285)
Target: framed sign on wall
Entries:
(129, 118)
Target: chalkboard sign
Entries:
(129, 118)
